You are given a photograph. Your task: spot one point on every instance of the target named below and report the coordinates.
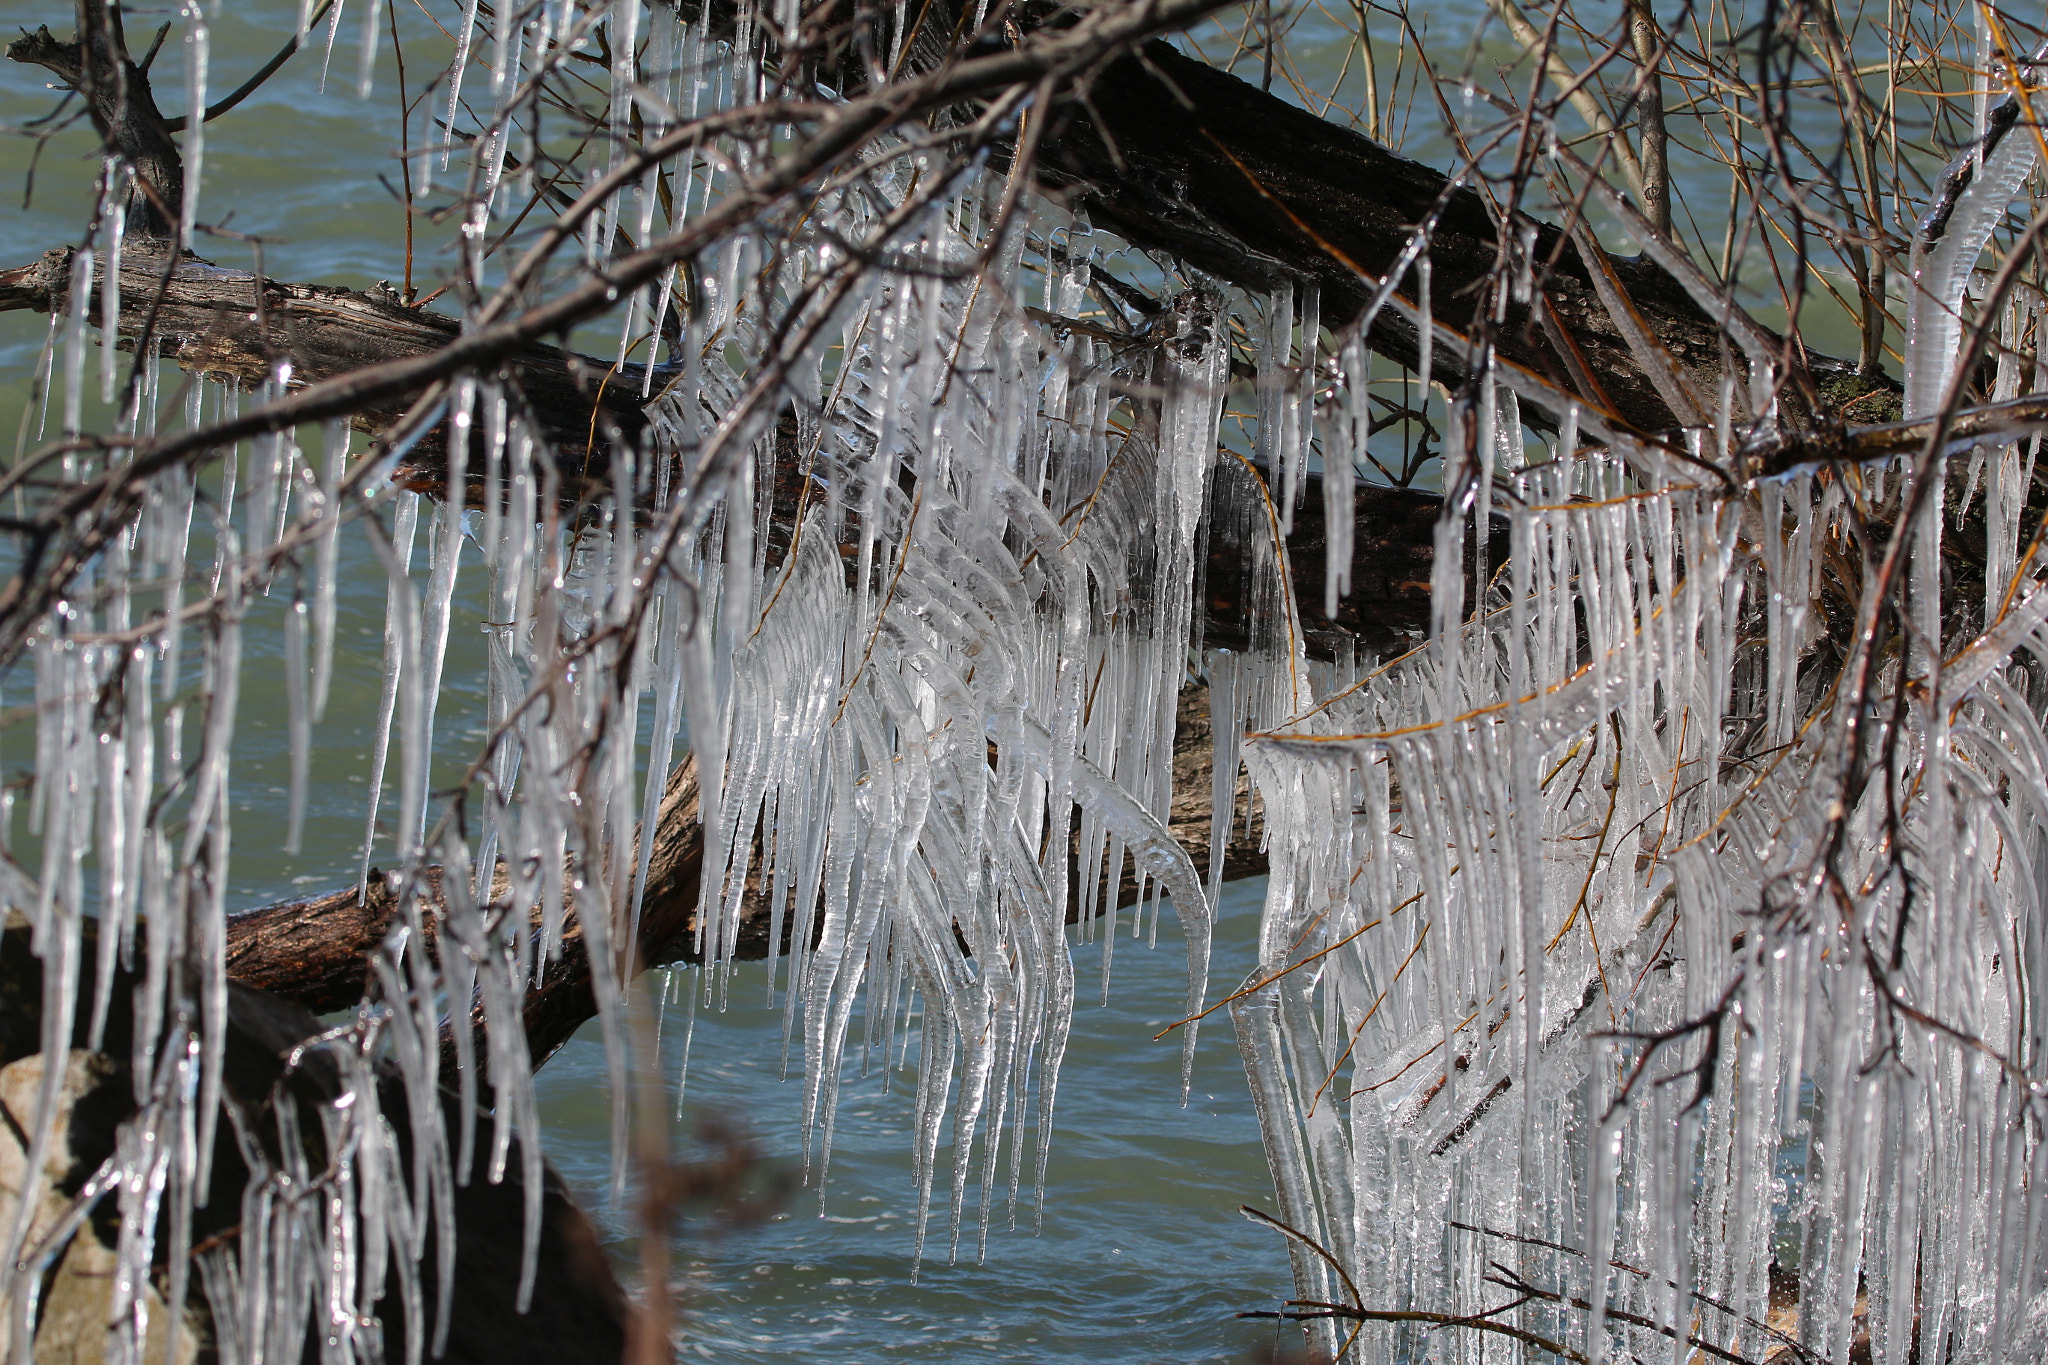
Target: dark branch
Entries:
(1180, 157)
(123, 110)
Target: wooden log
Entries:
(230, 325)
(233, 326)
(1179, 157)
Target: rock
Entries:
(75, 1290)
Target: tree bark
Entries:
(123, 108)
(231, 325)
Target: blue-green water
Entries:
(1142, 1256)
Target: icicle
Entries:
(367, 63)
(1341, 450)
(333, 30)
(298, 719)
(1280, 435)
(446, 560)
(457, 69)
(326, 559)
(114, 230)
(1945, 251)
(398, 603)
(76, 312)
(193, 150)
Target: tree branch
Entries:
(1180, 157)
(255, 82)
(123, 110)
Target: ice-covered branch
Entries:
(1799, 452)
(284, 1071)
(315, 951)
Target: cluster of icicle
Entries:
(933, 712)
(916, 736)
(1588, 1017)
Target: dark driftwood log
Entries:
(579, 1314)
(1180, 157)
(313, 951)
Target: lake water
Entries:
(1142, 1255)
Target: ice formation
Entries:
(1609, 957)
(1602, 995)
(1974, 195)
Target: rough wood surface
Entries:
(231, 325)
(1179, 157)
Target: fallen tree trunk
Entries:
(234, 326)
(1177, 156)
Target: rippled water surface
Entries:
(1142, 1256)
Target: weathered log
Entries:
(314, 951)
(1177, 156)
(231, 325)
